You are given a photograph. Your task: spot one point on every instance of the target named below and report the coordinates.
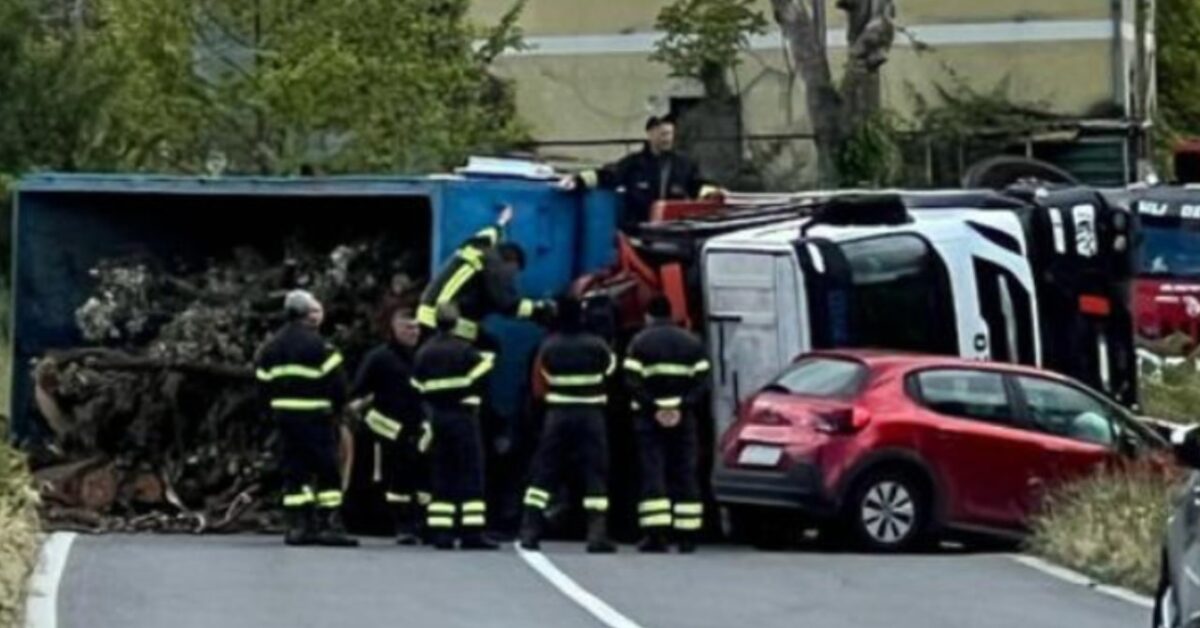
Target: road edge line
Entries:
(1074, 577)
(41, 605)
(595, 606)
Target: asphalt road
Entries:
(254, 582)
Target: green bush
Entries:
(18, 532)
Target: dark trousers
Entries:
(457, 465)
(571, 432)
(670, 487)
(400, 468)
(311, 474)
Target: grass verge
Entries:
(1110, 526)
(18, 533)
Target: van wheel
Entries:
(888, 511)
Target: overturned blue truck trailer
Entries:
(65, 224)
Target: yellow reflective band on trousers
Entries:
(474, 521)
(656, 521)
(654, 505)
(300, 370)
(694, 509)
(396, 498)
(441, 508)
(383, 425)
(595, 504)
(440, 522)
(559, 398)
(525, 309)
(569, 381)
(301, 404)
(329, 499)
(299, 499)
(474, 507)
(537, 498)
(688, 524)
(671, 403)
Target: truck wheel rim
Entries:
(888, 513)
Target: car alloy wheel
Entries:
(888, 513)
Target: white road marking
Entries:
(41, 609)
(593, 605)
(1076, 578)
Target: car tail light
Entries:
(847, 421)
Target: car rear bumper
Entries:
(798, 488)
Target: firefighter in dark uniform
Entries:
(656, 173)
(450, 374)
(304, 381)
(480, 279)
(576, 367)
(399, 435)
(667, 372)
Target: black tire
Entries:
(888, 511)
(1166, 608)
(998, 173)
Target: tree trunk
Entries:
(806, 42)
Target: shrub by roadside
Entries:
(18, 533)
(1110, 526)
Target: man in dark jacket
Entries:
(480, 279)
(576, 366)
(450, 374)
(397, 432)
(656, 173)
(304, 381)
(667, 372)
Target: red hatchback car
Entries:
(894, 448)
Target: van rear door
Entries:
(755, 316)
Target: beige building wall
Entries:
(589, 78)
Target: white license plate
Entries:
(760, 455)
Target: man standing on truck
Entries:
(575, 366)
(667, 371)
(656, 173)
(480, 279)
(399, 435)
(449, 373)
(303, 378)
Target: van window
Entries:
(822, 377)
(900, 296)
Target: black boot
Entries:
(532, 528)
(475, 540)
(442, 539)
(407, 524)
(301, 528)
(654, 543)
(597, 534)
(686, 543)
(330, 532)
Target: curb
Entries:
(1074, 577)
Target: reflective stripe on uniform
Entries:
(454, 383)
(397, 498)
(670, 403)
(656, 521)
(472, 401)
(475, 521)
(689, 524)
(474, 507)
(383, 425)
(298, 499)
(648, 506)
(426, 437)
(596, 504)
(300, 370)
(595, 400)
(491, 234)
(537, 498)
(573, 380)
(427, 316)
(689, 508)
(441, 508)
(525, 309)
(612, 364)
(455, 284)
(590, 178)
(634, 366)
(440, 522)
(329, 499)
(424, 498)
(301, 404)
(466, 329)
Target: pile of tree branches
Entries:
(156, 421)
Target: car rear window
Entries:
(822, 377)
